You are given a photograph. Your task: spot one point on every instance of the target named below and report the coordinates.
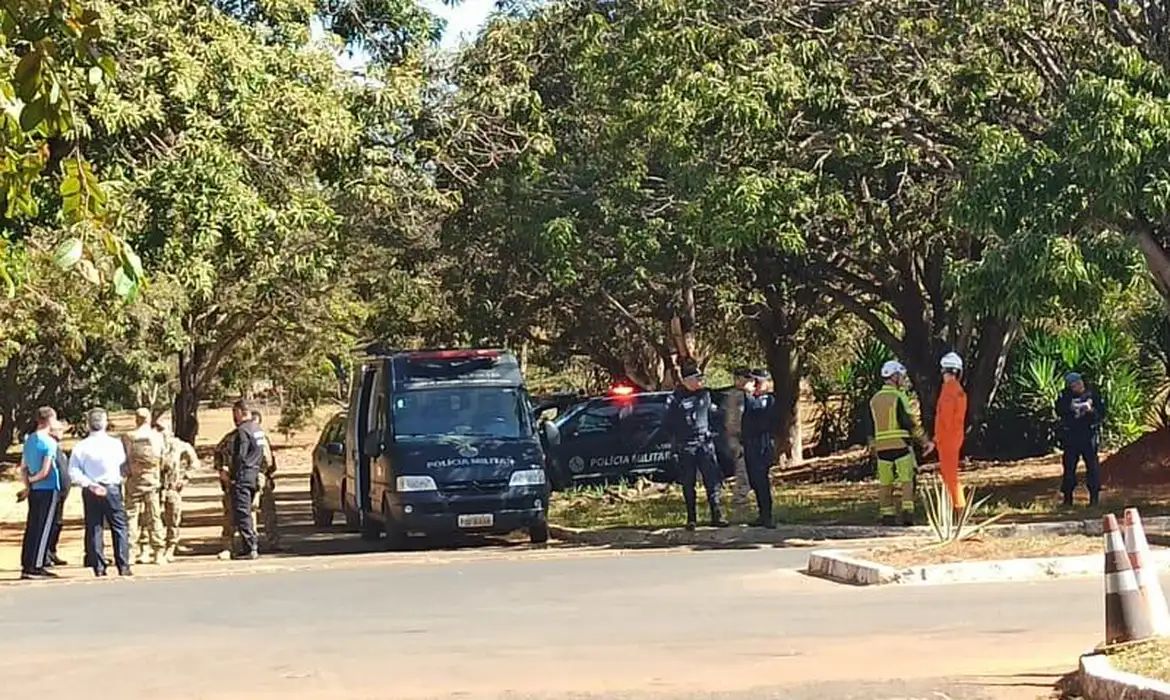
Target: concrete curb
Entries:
(841, 567)
(738, 535)
(1100, 680)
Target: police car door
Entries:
(588, 440)
(643, 436)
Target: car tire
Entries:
(322, 516)
(538, 532)
(396, 537)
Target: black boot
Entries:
(889, 520)
(907, 518)
(717, 517)
(1094, 500)
(1068, 499)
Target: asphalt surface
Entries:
(530, 624)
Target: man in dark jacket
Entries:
(688, 414)
(247, 460)
(1081, 411)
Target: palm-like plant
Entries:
(948, 524)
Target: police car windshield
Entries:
(491, 412)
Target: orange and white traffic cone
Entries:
(1146, 573)
(1125, 611)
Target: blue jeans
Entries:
(1077, 448)
(100, 511)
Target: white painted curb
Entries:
(1099, 680)
(840, 566)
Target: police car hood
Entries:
(467, 458)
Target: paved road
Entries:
(717, 624)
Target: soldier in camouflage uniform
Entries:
(223, 465)
(267, 494)
(179, 459)
(144, 448)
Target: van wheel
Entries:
(396, 537)
(538, 533)
(322, 516)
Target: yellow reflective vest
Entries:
(892, 422)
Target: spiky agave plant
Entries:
(948, 524)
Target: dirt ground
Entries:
(202, 510)
(982, 549)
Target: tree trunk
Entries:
(784, 365)
(186, 408)
(984, 374)
(9, 403)
(1156, 260)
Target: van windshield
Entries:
(476, 411)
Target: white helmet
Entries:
(951, 360)
(891, 368)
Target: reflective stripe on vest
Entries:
(889, 428)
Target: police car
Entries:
(621, 436)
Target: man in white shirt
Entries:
(97, 465)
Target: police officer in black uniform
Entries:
(759, 446)
(688, 416)
(247, 461)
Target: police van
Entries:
(621, 436)
(443, 441)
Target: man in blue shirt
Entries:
(39, 469)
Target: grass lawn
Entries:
(1150, 659)
(840, 490)
(984, 549)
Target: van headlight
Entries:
(415, 483)
(527, 477)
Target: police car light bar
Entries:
(622, 390)
(455, 354)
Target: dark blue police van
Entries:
(621, 436)
(443, 441)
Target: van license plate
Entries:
(483, 520)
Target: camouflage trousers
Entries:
(172, 517)
(144, 515)
(265, 503)
(740, 486)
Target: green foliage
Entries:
(1023, 420)
(843, 396)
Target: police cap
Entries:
(741, 373)
(760, 374)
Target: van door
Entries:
(358, 465)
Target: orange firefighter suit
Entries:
(950, 418)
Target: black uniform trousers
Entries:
(1078, 446)
(38, 528)
(758, 455)
(101, 512)
(694, 460)
(243, 491)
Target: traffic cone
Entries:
(1146, 573)
(1125, 611)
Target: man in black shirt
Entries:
(1082, 411)
(247, 461)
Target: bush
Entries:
(843, 396)
(1022, 420)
